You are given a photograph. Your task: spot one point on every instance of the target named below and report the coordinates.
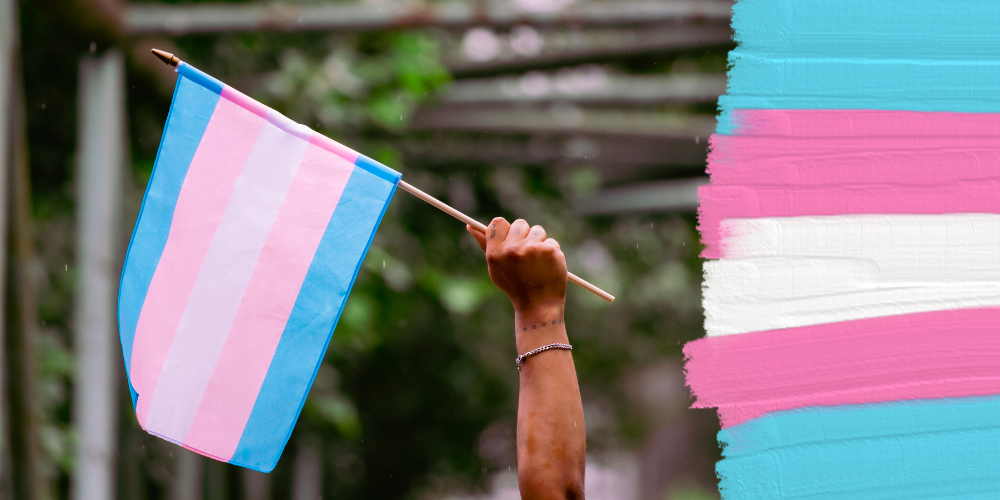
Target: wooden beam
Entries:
(614, 155)
(222, 17)
(564, 118)
(660, 196)
(565, 47)
(591, 84)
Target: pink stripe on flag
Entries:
(245, 101)
(267, 303)
(335, 147)
(942, 354)
(223, 279)
(224, 149)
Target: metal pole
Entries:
(101, 160)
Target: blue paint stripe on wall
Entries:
(314, 316)
(190, 111)
(942, 30)
(914, 55)
(943, 448)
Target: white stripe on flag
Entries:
(222, 280)
(799, 271)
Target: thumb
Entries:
(480, 237)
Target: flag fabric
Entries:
(251, 234)
(852, 227)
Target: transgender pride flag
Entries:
(853, 221)
(251, 234)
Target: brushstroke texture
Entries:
(917, 55)
(789, 272)
(914, 356)
(940, 449)
(826, 162)
(853, 222)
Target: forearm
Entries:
(551, 438)
(551, 441)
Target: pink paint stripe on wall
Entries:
(221, 155)
(940, 354)
(826, 123)
(728, 202)
(787, 163)
(267, 303)
(811, 161)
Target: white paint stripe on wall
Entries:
(222, 281)
(798, 271)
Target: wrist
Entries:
(539, 308)
(539, 325)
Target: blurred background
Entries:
(590, 117)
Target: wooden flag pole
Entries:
(172, 60)
(482, 229)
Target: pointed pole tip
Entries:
(166, 57)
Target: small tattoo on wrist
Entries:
(493, 231)
(544, 323)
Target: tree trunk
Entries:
(22, 311)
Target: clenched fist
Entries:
(523, 262)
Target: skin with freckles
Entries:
(551, 439)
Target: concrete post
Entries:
(102, 156)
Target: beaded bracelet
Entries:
(520, 359)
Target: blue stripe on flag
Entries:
(314, 316)
(190, 111)
(200, 77)
(377, 168)
(910, 55)
(939, 448)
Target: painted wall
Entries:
(852, 294)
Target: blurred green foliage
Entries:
(363, 81)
